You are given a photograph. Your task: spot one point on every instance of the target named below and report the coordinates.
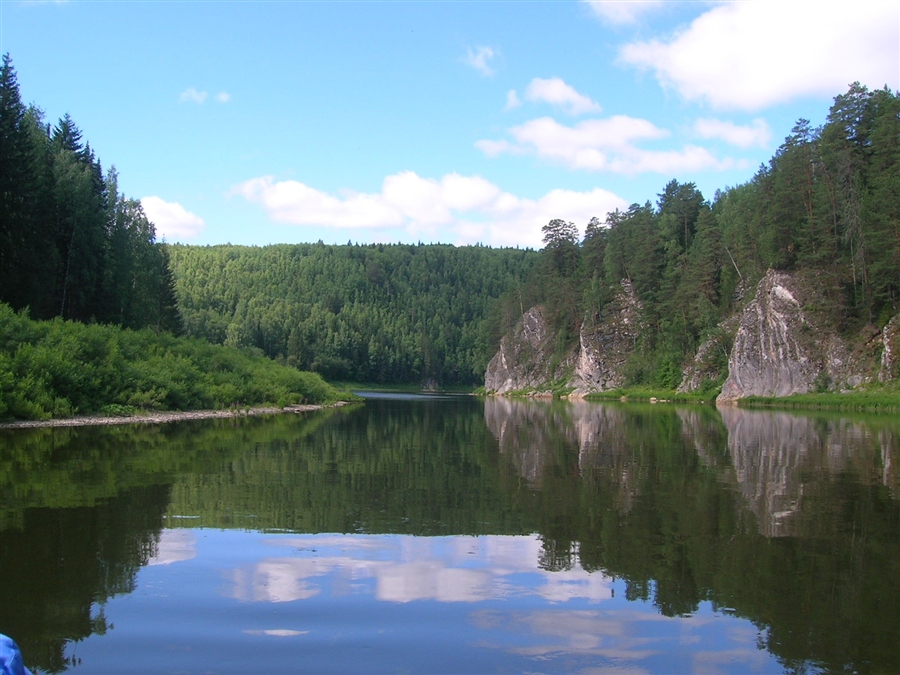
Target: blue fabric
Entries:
(11, 658)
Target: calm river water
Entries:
(448, 534)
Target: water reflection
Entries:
(405, 569)
(518, 518)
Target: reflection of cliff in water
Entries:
(789, 521)
(778, 458)
(771, 458)
(535, 435)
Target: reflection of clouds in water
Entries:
(432, 581)
(174, 546)
(751, 660)
(625, 639)
(277, 580)
(446, 569)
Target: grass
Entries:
(880, 399)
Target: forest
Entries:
(378, 313)
(828, 203)
(71, 245)
(88, 316)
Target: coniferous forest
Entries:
(72, 246)
(827, 204)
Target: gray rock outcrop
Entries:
(605, 347)
(781, 349)
(527, 360)
(525, 357)
(890, 354)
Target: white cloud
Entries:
(750, 55)
(756, 133)
(479, 59)
(512, 100)
(497, 148)
(621, 12)
(602, 145)
(223, 97)
(193, 96)
(556, 92)
(455, 208)
(172, 220)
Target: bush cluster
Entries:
(60, 368)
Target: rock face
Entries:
(782, 343)
(604, 349)
(710, 363)
(890, 355)
(526, 358)
(780, 349)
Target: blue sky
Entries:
(457, 122)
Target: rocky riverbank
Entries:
(162, 417)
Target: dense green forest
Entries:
(71, 245)
(828, 203)
(377, 313)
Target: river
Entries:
(452, 534)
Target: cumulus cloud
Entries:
(750, 55)
(512, 100)
(621, 12)
(479, 58)
(602, 145)
(455, 208)
(193, 96)
(173, 222)
(757, 133)
(556, 92)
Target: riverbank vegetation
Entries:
(62, 368)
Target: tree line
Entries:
(71, 245)
(827, 204)
(385, 313)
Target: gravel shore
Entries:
(161, 417)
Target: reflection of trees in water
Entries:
(675, 501)
(790, 520)
(65, 562)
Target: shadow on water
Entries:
(789, 520)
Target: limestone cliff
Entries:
(782, 348)
(603, 348)
(890, 354)
(785, 341)
(527, 357)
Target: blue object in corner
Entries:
(11, 658)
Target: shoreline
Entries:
(164, 416)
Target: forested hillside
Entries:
(71, 245)
(827, 204)
(377, 313)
